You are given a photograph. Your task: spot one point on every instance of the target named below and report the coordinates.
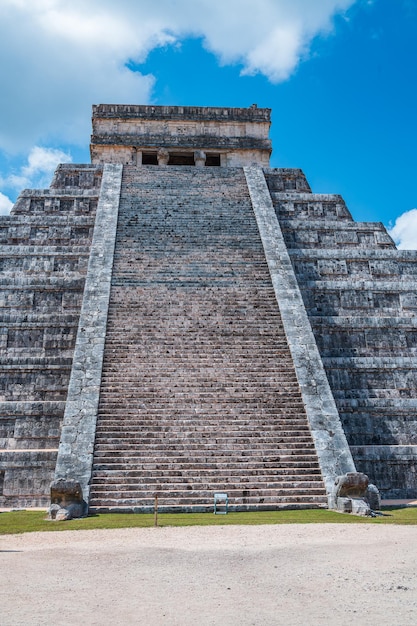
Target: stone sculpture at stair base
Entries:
(66, 500)
(350, 492)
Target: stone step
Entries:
(154, 476)
(196, 439)
(237, 414)
(314, 503)
(223, 429)
(233, 487)
(185, 464)
(200, 451)
(285, 382)
(198, 493)
(194, 500)
(223, 395)
(210, 413)
(216, 403)
(196, 421)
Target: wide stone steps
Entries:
(184, 444)
(205, 503)
(203, 449)
(244, 467)
(199, 381)
(266, 484)
(231, 461)
(195, 392)
(179, 427)
(286, 383)
(212, 446)
(204, 492)
(155, 476)
(250, 408)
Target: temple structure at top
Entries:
(173, 135)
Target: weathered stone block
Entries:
(350, 491)
(66, 500)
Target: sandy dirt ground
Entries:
(228, 575)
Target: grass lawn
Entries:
(16, 522)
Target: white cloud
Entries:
(42, 162)
(404, 231)
(64, 56)
(5, 204)
(40, 167)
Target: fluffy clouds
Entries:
(5, 204)
(42, 163)
(36, 173)
(62, 56)
(404, 231)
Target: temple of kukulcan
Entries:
(179, 319)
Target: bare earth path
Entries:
(230, 575)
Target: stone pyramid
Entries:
(180, 319)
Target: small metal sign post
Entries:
(221, 500)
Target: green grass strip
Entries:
(16, 522)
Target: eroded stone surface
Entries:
(75, 453)
(350, 493)
(359, 293)
(66, 500)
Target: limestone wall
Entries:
(45, 245)
(359, 292)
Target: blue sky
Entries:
(339, 75)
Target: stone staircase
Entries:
(198, 392)
(359, 292)
(45, 244)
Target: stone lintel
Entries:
(329, 438)
(151, 112)
(182, 143)
(75, 454)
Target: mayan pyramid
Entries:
(180, 319)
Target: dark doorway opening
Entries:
(213, 160)
(149, 158)
(181, 159)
